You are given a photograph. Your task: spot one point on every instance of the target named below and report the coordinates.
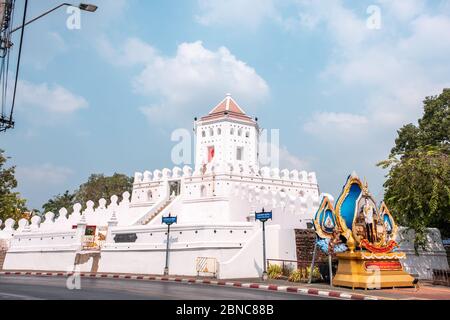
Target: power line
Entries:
(19, 58)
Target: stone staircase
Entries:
(159, 210)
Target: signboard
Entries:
(125, 238)
(169, 220)
(263, 216)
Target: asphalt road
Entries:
(55, 288)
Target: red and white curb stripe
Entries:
(268, 287)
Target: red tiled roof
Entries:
(227, 108)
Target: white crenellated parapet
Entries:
(275, 173)
(9, 225)
(48, 221)
(101, 205)
(265, 172)
(177, 173)
(89, 212)
(138, 177)
(23, 223)
(187, 172)
(312, 177)
(294, 175)
(76, 215)
(114, 203)
(284, 175)
(303, 176)
(62, 222)
(157, 175)
(8, 231)
(35, 223)
(148, 177)
(166, 174)
(125, 203)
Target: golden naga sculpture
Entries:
(367, 255)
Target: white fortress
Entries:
(214, 202)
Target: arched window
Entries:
(203, 134)
(219, 131)
(240, 132)
(247, 134)
(211, 132)
(203, 191)
(232, 131)
(149, 195)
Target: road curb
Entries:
(236, 284)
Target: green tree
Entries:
(11, 204)
(66, 200)
(417, 188)
(99, 186)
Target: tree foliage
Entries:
(418, 183)
(11, 204)
(66, 200)
(97, 187)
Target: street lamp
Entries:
(82, 6)
(6, 13)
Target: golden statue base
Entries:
(368, 270)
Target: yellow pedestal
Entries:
(371, 271)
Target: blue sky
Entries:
(107, 97)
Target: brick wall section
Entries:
(305, 240)
(2, 259)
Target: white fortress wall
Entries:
(280, 244)
(433, 257)
(187, 242)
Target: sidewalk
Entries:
(426, 290)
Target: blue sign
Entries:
(263, 216)
(169, 220)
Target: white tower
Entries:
(227, 135)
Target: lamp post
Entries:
(81, 6)
(168, 221)
(264, 217)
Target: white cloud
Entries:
(397, 66)
(272, 155)
(403, 10)
(291, 161)
(237, 13)
(46, 174)
(135, 51)
(195, 76)
(387, 72)
(54, 99)
(332, 126)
